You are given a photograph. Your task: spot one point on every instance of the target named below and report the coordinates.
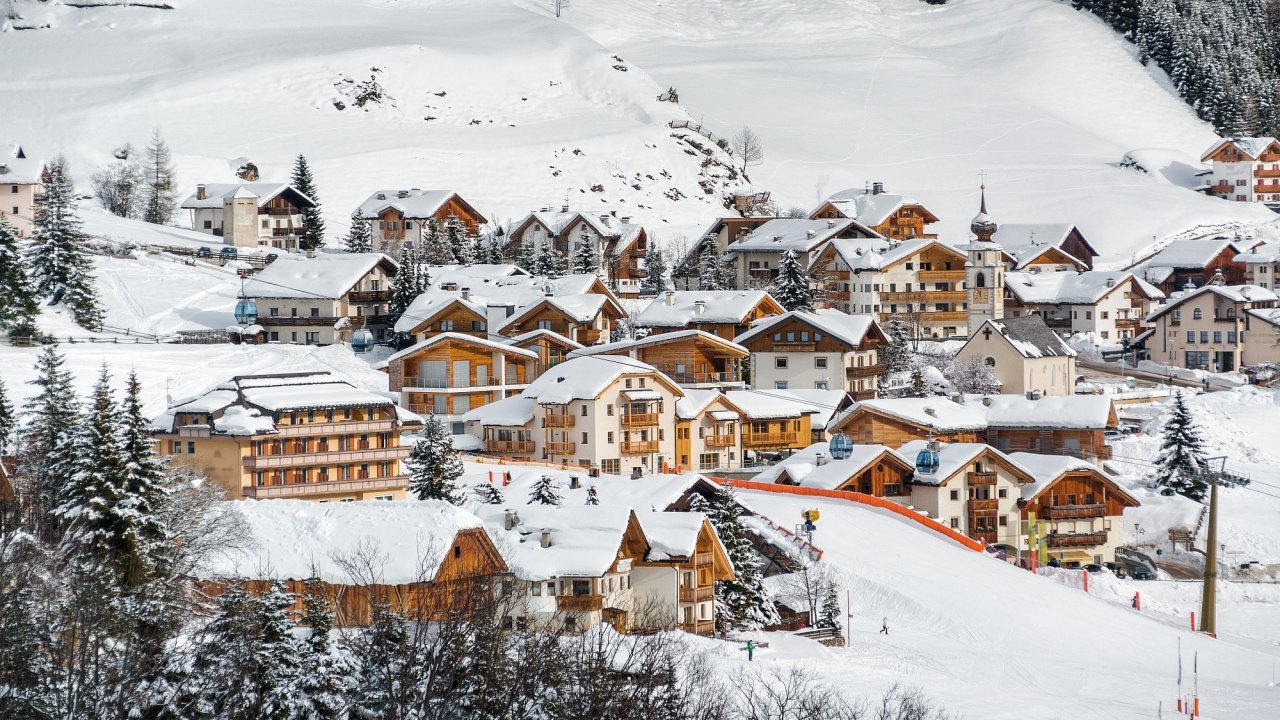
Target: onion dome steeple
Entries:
(982, 225)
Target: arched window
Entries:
(1197, 314)
(981, 280)
(990, 362)
(1231, 313)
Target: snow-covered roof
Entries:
(311, 396)
(517, 292)
(1192, 254)
(867, 207)
(463, 274)
(878, 254)
(556, 222)
(939, 413)
(532, 335)
(466, 339)
(514, 411)
(1070, 288)
(680, 308)
(327, 275)
(289, 539)
(216, 193)
(802, 468)
(850, 329)
(769, 404)
(695, 401)
(1029, 336)
(1045, 469)
(412, 203)
(580, 308)
(1271, 316)
(1050, 411)
(650, 492)
(585, 539)
(798, 234)
(822, 404)
(1025, 242)
(670, 534)
(954, 457)
(626, 346)
(17, 167)
(584, 378)
(1261, 254)
(1233, 293)
(1250, 146)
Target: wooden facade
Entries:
(392, 223)
(546, 315)
(1089, 443)
(775, 434)
(444, 378)
(694, 360)
(905, 223)
(552, 348)
(868, 427)
(767, 307)
(457, 317)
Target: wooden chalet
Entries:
(870, 469)
(451, 373)
(551, 347)
(1075, 507)
(723, 313)
(893, 422)
(452, 315)
(891, 215)
(826, 349)
(692, 358)
(585, 319)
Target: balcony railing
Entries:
(579, 603)
(363, 296)
(984, 505)
(1128, 323)
(341, 427)
(339, 457)
(640, 447)
(720, 441)
(558, 421)
(1221, 189)
(941, 275)
(561, 448)
(986, 536)
(703, 558)
(294, 490)
(1266, 188)
(769, 439)
(982, 478)
(699, 627)
(918, 296)
(1073, 512)
(864, 371)
(1267, 172)
(943, 316)
(292, 321)
(630, 420)
(412, 381)
(793, 347)
(285, 232)
(1077, 540)
(514, 447)
(697, 594)
(699, 378)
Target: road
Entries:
(1215, 385)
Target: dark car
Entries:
(1094, 568)
(204, 252)
(1141, 572)
(271, 257)
(230, 253)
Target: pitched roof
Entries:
(954, 457)
(412, 203)
(514, 411)
(584, 378)
(802, 468)
(216, 193)
(17, 167)
(1046, 469)
(1250, 146)
(680, 308)
(1026, 241)
(1069, 288)
(878, 254)
(580, 308)
(769, 404)
(1029, 336)
(938, 413)
(870, 208)
(585, 539)
(624, 347)
(1051, 411)
(465, 339)
(1233, 293)
(798, 234)
(1196, 253)
(327, 275)
(529, 337)
(850, 329)
(497, 291)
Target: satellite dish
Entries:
(840, 447)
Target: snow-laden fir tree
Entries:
(829, 613)
(18, 307)
(1181, 464)
(145, 540)
(545, 492)
(489, 494)
(550, 262)
(527, 257)
(326, 673)
(359, 238)
(593, 498)
(160, 194)
(460, 246)
(406, 286)
(791, 289)
(656, 273)
(714, 272)
(388, 676)
(586, 255)
(91, 494)
(742, 603)
(56, 260)
(48, 450)
(919, 388)
(278, 655)
(312, 222)
(8, 421)
(895, 355)
(434, 466)
(486, 251)
(434, 247)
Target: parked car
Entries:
(230, 253)
(204, 252)
(1094, 568)
(271, 257)
(1141, 572)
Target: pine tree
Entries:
(586, 256)
(327, 674)
(217, 680)
(360, 237)
(550, 262)
(160, 200)
(145, 539)
(527, 257)
(545, 492)
(90, 495)
(434, 466)
(489, 494)
(655, 271)
(434, 248)
(919, 388)
(1182, 455)
(48, 449)
(460, 245)
(388, 671)
(742, 603)
(18, 308)
(276, 655)
(593, 498)
(55, 258)
(895, 355)
(829, 615)
(791, 289)
(312, 222)
(711, 266)
(8, 421)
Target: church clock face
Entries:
(981, 295)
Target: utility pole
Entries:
(1208, 598)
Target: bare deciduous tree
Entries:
(748, 147)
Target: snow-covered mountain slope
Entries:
(528, 110)
(1045, 99)
(509, 107)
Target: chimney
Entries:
(201, 192)
(604, 219)
(812, 234)
(1111, 282)
(509, 520)
(466, 293)
(699, 307)
(931, 412)
(957, 398)
(564, 208)
(382, 196)
(670, 298)
(831, 224)
(986, 401)
(403, 194)
(820, 460)
(626, 219)
(575, 482)
(546, 538)
(415, 190)
(877, 188)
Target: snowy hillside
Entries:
(517, 109)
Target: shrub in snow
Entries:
(489, 494)
(545, 491)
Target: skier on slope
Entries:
(884, 626)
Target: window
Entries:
(819, 384)
(275, 337)
(1197, 314)
(1003, 492)
(955, 522)
(611, 466)
(274, 312)
(584, 438)
(208, 224)
(1231, 336)
(584, 409)
(446, 326)
(315, 312)
(535, 589)
(544, 324)
(708, 461)
(1177, 316)
(1004, 521)
(820, 363)
(609, 438)
(980, 280)
(780, 385)
(780, 363)
(191, 447)
(175, 447)
(1204, 337)
(1217, 336)
(313, 338)
(955, 494)
(1191, 336)
(608, 409)
(1103, 314)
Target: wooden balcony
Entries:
(579, 603)
(982, 478)
(509, 447)
(640, 447)
(558, 421)
(984, 505)
(720, 441)
(1073, 512)
(928, 296)
(340, 457)
(703, 378)
(1077, 540)
(1128, 323)
(986, 536)
(364, 296)
(335, 428)
(941, 275)
(442, 383)
(1274, 188)
(699, 627)
(319, 321)
(769, 440)
(864, 371)
(703, 558)
(793, 347)
(1267, 172)
(285, 232)
(944, 316)
(1221, 188)
(697, 594)
(561, 448)
(630, 420)
(303, 490)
